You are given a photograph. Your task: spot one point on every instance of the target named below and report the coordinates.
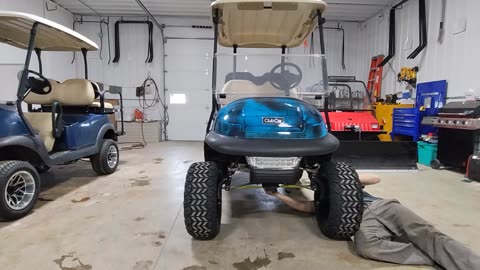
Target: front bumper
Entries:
(275, 177)
(272, 147)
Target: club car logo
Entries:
(272, 120)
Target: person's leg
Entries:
(374, 241)
(444, 250)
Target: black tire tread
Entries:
(99, 163)
(96, 165)
(202, 208)
(6, 167)
(345, 208)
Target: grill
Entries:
(458, 126)
(457, 115)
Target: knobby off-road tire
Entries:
(338, 200)
(202, 200)
(19, 189)
(106, 161)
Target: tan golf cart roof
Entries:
(265, 24)
(15, 30)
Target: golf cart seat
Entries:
(237, 89)
(73, 92)
(74, 95)
(97, 104)
(244, 84)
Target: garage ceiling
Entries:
(346, 10)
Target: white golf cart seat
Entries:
(73, 92)
(97, 104)
(237, 89)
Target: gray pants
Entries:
(392, 233)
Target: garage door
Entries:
(189, 89)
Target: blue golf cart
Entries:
(51, 122)
(264, 119)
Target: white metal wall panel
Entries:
(131, 70)
(456, 59)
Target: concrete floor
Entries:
(133, 219)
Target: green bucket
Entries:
(426, 152)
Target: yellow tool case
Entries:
(383, 113)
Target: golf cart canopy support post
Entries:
(84, 53)
(235, 49)
(39, 58)
(321, 21)
(214, 72)
(284, 51)
(23, 81)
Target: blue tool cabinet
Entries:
(431, 96)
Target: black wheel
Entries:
(203, 200)
(338, 200)
(106, 161)
(435, 164)
(19, 188)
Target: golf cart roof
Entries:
(265, 24)
(15, 30)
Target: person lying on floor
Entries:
(390, 232)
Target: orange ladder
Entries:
(375, 76)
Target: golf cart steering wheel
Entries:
(40, 85)
(285, 79)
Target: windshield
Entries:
(348, 95)
(269, 75)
